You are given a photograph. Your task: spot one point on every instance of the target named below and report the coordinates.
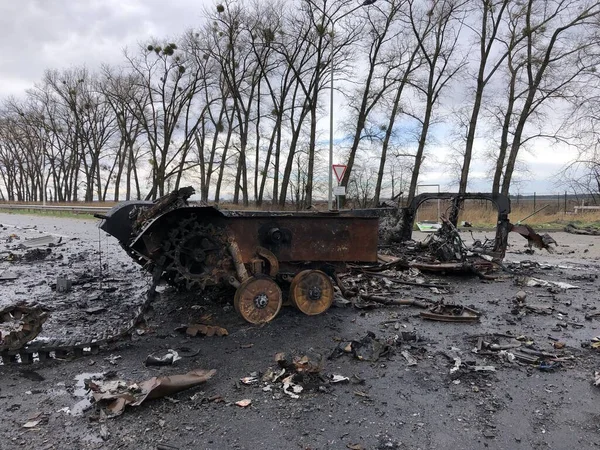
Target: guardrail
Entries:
(61, 208)
(577, 209)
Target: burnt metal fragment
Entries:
(451, 313)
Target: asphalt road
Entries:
(396, 406)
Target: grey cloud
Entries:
(40, 34)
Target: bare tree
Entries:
(437, 30)
(490, 14)
(560, 38)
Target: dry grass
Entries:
(483, 214)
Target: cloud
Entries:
(36, 35)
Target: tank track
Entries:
(19, 348)
(74, 347)
(207, 265)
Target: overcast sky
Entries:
(40, 34)
(55, 34)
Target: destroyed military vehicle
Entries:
(259, 252)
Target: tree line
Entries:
(237, 106)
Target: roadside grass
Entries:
(485, 216)
(47, 213)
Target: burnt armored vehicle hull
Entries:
(259, 252)
(192, 247)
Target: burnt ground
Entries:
(422, 406)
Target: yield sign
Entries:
(339, 170)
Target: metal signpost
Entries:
(339, 170)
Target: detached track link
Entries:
(74, 347)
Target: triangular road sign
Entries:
(339, 170)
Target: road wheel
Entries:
(258, 299)
(311, 292)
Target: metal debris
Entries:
(48, 240)
(119, 394)
(536, 282)
(244, 403)
(195, 329)
(369, 348)
(166, 360)
(410, 359)
(446, 312)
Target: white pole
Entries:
(44, 178)
(331, 123)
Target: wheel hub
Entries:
(314, 293)
(261, 300)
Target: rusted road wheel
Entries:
(258, 299)
(311, 292)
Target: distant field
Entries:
(484, 214)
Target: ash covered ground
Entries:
(443, 395)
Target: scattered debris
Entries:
(290, 388)
(534, 239)
(48, 240)
(456, 367)
(249, 380)
(244, 403)
(410, 359)
(589, 231)
(166, 360)
(195, 329)
(63, 285)
(369, 348)
(548, 366)
(119, 394)
(596, 378)
(536, 282)
(446, 312)
(339, 379)
(7, 275)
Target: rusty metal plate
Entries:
(308, 238)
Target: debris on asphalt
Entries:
(536, 282)
(249, 380)
(368, 348)
(244, 403)
(446, 312)
(20, 324)
(588, 231)
(166, 360)
(47, 240)
(596, 378)
(63, 285)
(410, 359)
(7, 275)
(548, 366)
(339, 379)
(195, 329)
(290, 388)
(456, 367)
(35, 420)
(119, 394)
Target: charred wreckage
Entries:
(260, 252)
(269, 257)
